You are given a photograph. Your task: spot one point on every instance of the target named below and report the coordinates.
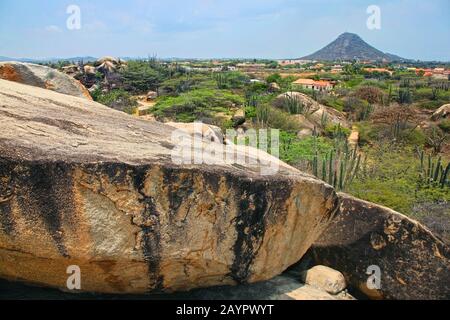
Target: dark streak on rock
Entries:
(256, 204)
(212, 180)
(69, 126)
(116, 172)
(151, 242)
(179, 189)
(167, 145)
(6, 193)
(47, 193)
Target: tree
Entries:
(140, 77)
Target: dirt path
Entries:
(143, 106)
(353, 138)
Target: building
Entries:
(437, 73)
(337, 68)
(310, 84)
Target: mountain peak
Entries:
(349, 46)
(349, 35)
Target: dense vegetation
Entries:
(401, 157)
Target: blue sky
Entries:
(416, 29)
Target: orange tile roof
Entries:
(320, 83)
(304, 81)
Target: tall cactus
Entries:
(435, 173)
(339, 167)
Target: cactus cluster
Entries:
(262, 114)
(433, 173)
(365, 112)
(398, 126)
(339, 167)
(294, 105)
(221, 80)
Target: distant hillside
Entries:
(73, 59)
(349, 46)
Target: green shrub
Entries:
(275, 77)
(332, 102)
(392, 178)
(250, 112)
(336, 131)
(368, 133)
(414, 137)
(141, 76)
(178, 85)
(432, 105)
(197, 104)
(294, 150)
(444, 125)
(231, 80)
(281, 120)
(117, 99)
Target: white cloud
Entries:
(53, 29)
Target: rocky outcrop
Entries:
(366, 238)
(42, 77)
(81, 184)
(442, 112)
(203, 131)
(316, 114)
(109, 64)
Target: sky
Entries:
(273, 29)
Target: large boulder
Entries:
(203, 131)
(84, 185)
(317, 113)
(42, 77)
(366, 238)
(109, 64)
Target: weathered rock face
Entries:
(442, 112)
(207, 132)
(317, 113)
(81, 184)
(109, 64)
(414, 264)
(42, 77)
